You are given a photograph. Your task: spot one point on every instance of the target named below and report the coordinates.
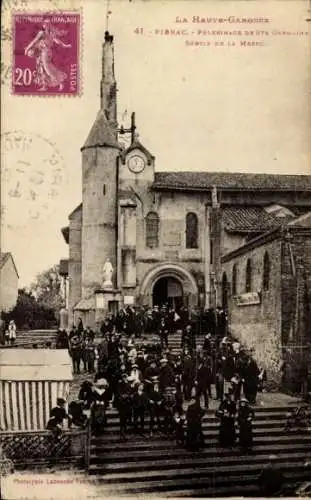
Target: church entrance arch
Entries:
(167, 290)
(169, 283)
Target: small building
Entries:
(8, 282)
(30, 383)
(266, 283)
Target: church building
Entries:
(142, 237)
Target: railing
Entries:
(25, 448)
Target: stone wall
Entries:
(8, 285)
(296, 300)
(74, 263)
(258, 326)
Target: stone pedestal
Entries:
(107, 300)
(63, 319)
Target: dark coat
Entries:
(166, 376)
(204, 376)
(59, 414)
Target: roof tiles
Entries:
(226, 180)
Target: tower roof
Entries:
(101, 134)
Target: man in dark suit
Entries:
(203, 382)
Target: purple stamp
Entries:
(46, 54)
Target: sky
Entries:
(230, 107)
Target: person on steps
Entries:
(245, 417)
(226, 414)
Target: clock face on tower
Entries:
(136, 164)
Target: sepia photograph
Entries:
(155, 249)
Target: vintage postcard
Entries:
(155, 249)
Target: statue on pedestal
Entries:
(107, 273)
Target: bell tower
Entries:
(99, 179)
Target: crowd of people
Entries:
(147, 382)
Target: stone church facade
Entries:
(171, 237)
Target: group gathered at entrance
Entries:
(157, 391)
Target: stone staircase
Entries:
(157, 465)
(174, 342)
(27, 338)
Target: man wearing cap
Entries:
(76, 351)
(123, 403)
(166, 375)
(155, 405)
(203, 382)
(140, 404)
(188, 374)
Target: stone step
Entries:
(139, 443)
(276, 418)
(218, 476)
(246, 486)
(105, 456)
(210, 429)
(265, 411)
(35, 338)
(183, 462)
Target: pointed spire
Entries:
(108, 84)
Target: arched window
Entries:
(234, 279)
(191, 230)
(248, 276)
(266, 272)
(152, 230)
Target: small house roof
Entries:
(4, 257)
(85, 304)
(35, 365)
(250, 219)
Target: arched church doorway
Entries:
(224, 287)
(168, 290)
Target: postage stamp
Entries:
(46, 49)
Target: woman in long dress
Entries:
(41, 47)
(226, 414)
(245, 418)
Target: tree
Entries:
(28, 313)
(47, 289)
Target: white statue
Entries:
(215, 203)
(107, 273)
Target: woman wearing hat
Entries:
(226, 413)
(86, 394)
(101, 398)
(245, 418)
